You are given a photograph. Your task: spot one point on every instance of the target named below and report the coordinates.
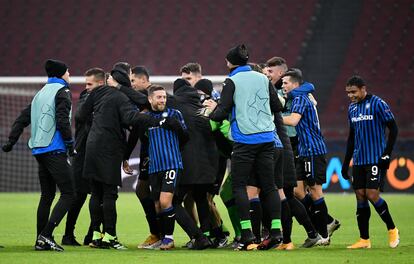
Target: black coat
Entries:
(200, 155)
(106, 142)
(81, 134)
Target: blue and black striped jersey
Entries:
(311, 141)
(164, 146)
(368, 119)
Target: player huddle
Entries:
(264, 123)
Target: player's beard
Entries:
(160, 107)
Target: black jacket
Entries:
(81, 128)
(106, 143)
(200, 155)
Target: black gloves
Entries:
(7, 147)
(384, 162)
(344, 171)
(153, 122)
(69, 148)
(171, 124)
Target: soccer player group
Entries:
(264, 122)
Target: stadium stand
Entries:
(381, 51)
(162, 35)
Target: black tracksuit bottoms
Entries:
(54, 170)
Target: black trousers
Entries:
(199, 193)
(103, 198)
(254, 160)
(54, 170)
(82, 189)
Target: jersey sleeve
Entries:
(180, 118)
(384, 111)
(349, 117)
(298, 105)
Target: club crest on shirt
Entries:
(367, 105)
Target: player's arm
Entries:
(176, 123)
(63, 104)
(275, 104)
(22, 121)
(385, 114)
(132, 142)
(298, 108)
(130, 116)
(63, 101)
(224, 107)
(292, 119)
(348, 154)
(385, 159)
(392, 136)
(138, 98)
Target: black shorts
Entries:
(164, 181)
(311, 170)
(278, 167)
(368, 177)
(143, 168)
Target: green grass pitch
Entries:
(17, 235)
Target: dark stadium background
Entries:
(330, 40)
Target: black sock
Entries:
(73, 213)
(307, 203)
(266, 220)
(256, 217)
(363, 214)
(329, 219)
(150, 214)
(160, 224)
(298, 210)
(168, 220)
(382, 209)
(320, 211)
(286, 222)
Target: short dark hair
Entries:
(356, 80)
(98, 73)
(123, 65)
(154, 88)
(275, 61)
(140, 70)
(295, 75)
(191, 67)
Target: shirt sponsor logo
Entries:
(362, 118)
